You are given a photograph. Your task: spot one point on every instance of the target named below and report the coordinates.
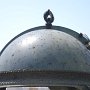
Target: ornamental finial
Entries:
(49, 18)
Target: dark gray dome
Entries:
(45, 57)
(46, 50)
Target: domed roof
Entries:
(46, 56)
(45, 49)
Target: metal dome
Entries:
(45, 56)
(43, 50)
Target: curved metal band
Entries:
(44, 79)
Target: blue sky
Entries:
(17, 16)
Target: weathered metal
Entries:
(46, 57)
(58, 51)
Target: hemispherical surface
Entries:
(46, 49)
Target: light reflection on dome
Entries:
(29, 40)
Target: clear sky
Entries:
(17, 16)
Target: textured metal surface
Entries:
(45, 57)
(46, 50)
(43, 79)
(59, 28)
